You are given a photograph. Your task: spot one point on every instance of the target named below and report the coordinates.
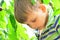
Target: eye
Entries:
(33, 20)
(28, 24)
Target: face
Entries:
(37, 19)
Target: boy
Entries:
(36, 16)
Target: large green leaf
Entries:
(2, 19)
(11, 32)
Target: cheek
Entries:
(35, 24)
(40, 21)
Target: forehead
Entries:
(34, 14)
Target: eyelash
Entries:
(33, 20)
(28, 24)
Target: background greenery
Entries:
(10, 29)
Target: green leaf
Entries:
(46, 1)
(33, 2)
(56, 12)
(4, 5)
(13, 22)
(11, 32)
(2, 19)
(59, 21)
(56, 4)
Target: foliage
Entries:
(10, 29)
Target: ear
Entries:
(43, 7)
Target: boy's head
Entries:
(35, 15)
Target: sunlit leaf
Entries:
(56, 4)
(4, 5)
(46, 1)
(56, 12)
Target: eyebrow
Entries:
(28, 24)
